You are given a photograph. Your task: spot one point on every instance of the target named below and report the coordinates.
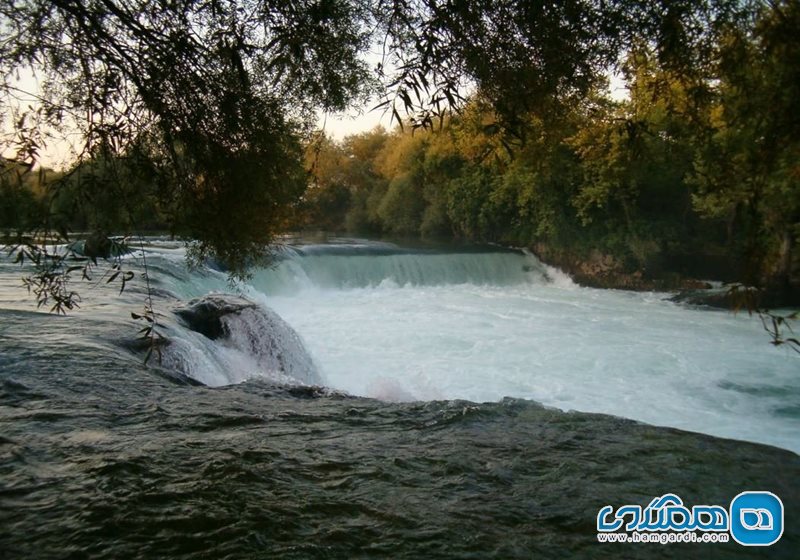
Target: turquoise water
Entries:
(400, 325)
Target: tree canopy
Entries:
(209, 101)
(694, 171)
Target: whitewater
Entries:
(479, 324)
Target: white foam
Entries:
(632, 355)
(258, 344)
(401, 326)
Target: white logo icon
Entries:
(762, 517)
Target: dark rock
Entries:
(737, 297)
(255, 330)
(718, 298)
(732, 296)
(97, 246)
(204, 315)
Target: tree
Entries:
(213, 95)
(747, 167)
(635, 156)
(327, 197)
(364, 178)
(20, 207)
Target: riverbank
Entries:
(699, 279)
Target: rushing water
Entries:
(103, 457)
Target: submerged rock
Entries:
(204, 315)
(253, 330)
(720, 298)
(730, 296)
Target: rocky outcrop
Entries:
(721, 298)
(680, 273)
(254, 330)
(204, 315)
(601, 270)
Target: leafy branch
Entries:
(777, 326)
(56, 263)
(54, 267)
(50, 280)
(150, 331)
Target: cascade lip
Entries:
(346, 246)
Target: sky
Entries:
(58, 152)
(361, 120)
(343, 124)
(336, 125)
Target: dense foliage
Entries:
(695, 172)
(192, 115)
(191, 108)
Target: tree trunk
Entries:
(782, 280)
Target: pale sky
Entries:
(335, 125)
(340, 125)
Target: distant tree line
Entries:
(699, 171)
(112, 194)
(194, 116)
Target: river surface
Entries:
(467, 403)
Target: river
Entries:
(467, 402)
